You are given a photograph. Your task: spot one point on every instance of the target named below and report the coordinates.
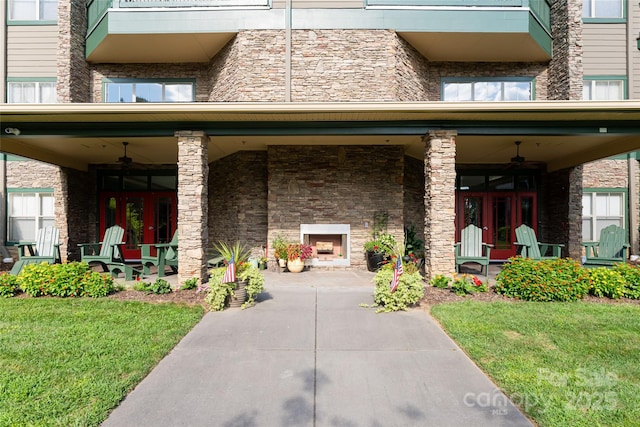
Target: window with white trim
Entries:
(602, 8)
(31, 92)
(603, 90)
(29, 212)
(600, 209)
(487, 90)
(33, 10)
(148, 91)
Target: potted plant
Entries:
(379, 249)
(280, 249)
(297, 253)
(233, 293)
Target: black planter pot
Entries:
(374, 260)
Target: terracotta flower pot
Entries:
(295, 265)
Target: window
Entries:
(31, 92)
(600, 209)
(29, 212)
(603, 90)
(117, 90)
(33, 10)
(602, 9)
(487, 90)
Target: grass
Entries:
(572, 364)
(68, 362)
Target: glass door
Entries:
(147, 217)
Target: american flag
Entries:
(397, 272)
(230, 272)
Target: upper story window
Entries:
(127, 90)
(487, 90)
(603, 90)
(603, 9)
(31, 92)
(33, 10)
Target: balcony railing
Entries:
(97, 8)
(540, 8)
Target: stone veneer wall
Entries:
(251, 67)
(73, 70)
(335, 184)
(32, 174)
(565, 69)
(414, 195)
(561, 210)
(238, 199)
(197, 72)
(77, 201)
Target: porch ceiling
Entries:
(560, 134)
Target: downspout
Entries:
(3, 209)
(632, 165)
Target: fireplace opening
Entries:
(330, 243)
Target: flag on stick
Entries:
(230, 272)
(397, 272)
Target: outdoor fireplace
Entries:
(331, 244)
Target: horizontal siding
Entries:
(634, 78)
(32, 51)
(604, 49)
(320, 4)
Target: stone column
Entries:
(193, 172)
(440, 189)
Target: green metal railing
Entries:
(96, 9)
(540, 8)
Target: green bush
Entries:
(218, 293)
(440, 281)
(74, 279)
(8, 285)
(467, 284)
(546, 280)
(606, 282)
(255, 284)
(160, 286)
(190, 284)
(409, 291)
(631, 275)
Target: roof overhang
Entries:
(559, 133)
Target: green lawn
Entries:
(70, 361)
(569, 364)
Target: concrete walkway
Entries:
(309, 355)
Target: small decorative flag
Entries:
(397, 272)
(230, 272)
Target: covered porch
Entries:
(250, 171)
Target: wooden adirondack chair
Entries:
(166, 255)
(611, 248)
(528, 243)
(472, 249)
(106, 252)
(46, 248)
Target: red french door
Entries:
(497, 214)
(147, 217)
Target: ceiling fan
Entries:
(519, 161)
(125, 160)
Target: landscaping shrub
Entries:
(160, 287)
(546, 280)
(606, 282)
(440, 281)
(74, 279)
(8, 285)
(409, 291)
(190, 284)
(631, 275)
(467, 284)
(218, 292)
